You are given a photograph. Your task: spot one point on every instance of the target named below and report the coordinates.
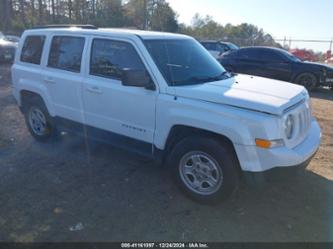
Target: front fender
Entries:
(225, 121)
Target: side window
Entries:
(209, 46)
(251, 54)
(206, 45)
(223, 47)
(66, 53)
(267, 55)
(109, 58)
(231, 54)
(32, 49)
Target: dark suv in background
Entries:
(277, 64)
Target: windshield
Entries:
(184, 62)
(290, 56)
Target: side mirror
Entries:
(137, 78)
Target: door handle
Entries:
(49, 80)
(94, 89)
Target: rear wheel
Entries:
(39, 122)
(308, 80)
(205, 169)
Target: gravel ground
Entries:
(75, 190)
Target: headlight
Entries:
(289, 126)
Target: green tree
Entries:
(163, 18)
(151, 15)
(243, 35)
(109, 13)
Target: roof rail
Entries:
(52, 26)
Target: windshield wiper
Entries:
(204, 79)
(220, 76)
(212, 78)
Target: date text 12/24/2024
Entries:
(165, 245)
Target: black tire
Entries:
(224, 158)
(31, 105)
(308, 80)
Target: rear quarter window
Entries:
(66, 53)
(32, 49)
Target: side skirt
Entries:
(120, 141)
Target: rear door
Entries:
(27, 69)
(62, 74)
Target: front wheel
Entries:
(205, 168)
(308, 80)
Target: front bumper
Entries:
(255, 159)
(328, 81)
(7, 54)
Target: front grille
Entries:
(5, 50)
(304, 118)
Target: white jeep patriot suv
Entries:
(164, 96)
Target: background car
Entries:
(7, 50)
(217, 48)
(12, 38)
(277, 64)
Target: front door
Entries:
(124, 115)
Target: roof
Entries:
(263, 47)
(215, 41)
(115, 31)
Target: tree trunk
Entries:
(22, 13)
(53, 11)
(32, 21)
(70, 9)
(93, 9)
(40, 12)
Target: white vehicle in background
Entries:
(217, 48)
(12, 38)
(164, 96)
(7, 49)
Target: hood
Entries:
(249, 92)
(4, 43)
(317, 64)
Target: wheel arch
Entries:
(296, 75)
(25, 95)
(179, 132)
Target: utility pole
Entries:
(284, 42)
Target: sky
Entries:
(298, 19)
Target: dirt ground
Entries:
(78, 191)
